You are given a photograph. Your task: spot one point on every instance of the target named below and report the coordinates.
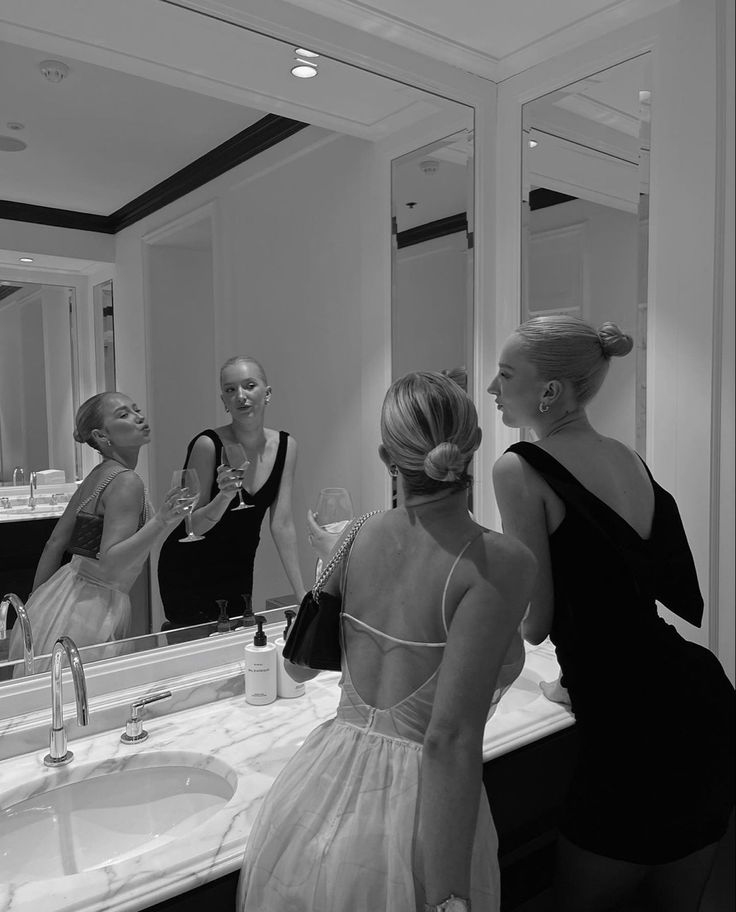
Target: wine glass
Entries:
(334, 509)
(188, 481)
(238, 462)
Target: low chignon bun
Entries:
(614, 342)
(78, 437)
(445, 462)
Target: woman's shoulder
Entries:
(503, 562)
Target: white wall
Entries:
(58, 379)
(430, 307)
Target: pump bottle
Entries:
(260, 668)
(286, 686)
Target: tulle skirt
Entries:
(337, 831)
(73, 604)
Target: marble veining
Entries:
(254, 742)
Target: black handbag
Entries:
(314, 638)
(86, 536)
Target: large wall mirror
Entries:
(585, 219)
(354, 130)
(38, 382)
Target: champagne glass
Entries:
(238, 462)
(188, 481)
(334, 509)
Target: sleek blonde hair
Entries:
(90, 417)
(429, 428)
(563, 347)
(237, 359)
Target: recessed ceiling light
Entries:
(304, 70)
(53, 70)
(11, 144)
(25, 259)
(303, 52)
(14, 125)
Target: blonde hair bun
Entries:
(614, 341)
(78, 437)
(445, 462)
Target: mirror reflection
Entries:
(585, 211)
(356, 119)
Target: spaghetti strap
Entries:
(388, 635)
(449, 576)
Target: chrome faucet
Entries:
(25, 625)
(32, 499)
(58, 754)
(19, 476)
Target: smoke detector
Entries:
(429, 166)
(53, 70)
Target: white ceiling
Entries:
(130, 115)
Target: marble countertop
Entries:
(255, 742)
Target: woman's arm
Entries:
(524, 517)
(482, 627)
(282, 523)
(53, 551)
(209, 512)
(123, 543)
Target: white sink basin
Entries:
(105, 813)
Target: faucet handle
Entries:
(134, 732)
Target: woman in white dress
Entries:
(106, 526)
(383, 807)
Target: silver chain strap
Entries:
(340, 553)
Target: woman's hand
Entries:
(228, 480)
(322, 541)
(171, 510)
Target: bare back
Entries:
(609, 470)
(406, 580)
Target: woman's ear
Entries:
(268, 394)
(99, 438)
(553, 389)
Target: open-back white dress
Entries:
(337, 832)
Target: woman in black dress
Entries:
(653, 789)
(193, 576)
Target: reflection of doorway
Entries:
(179, 280)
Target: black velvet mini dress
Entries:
(655, 713)
(193, 575)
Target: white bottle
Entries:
(286, 686)
(260, 668)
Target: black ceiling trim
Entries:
(266, 132)
(439, 228)
(58, 218)
(542, 197)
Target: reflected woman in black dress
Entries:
(193, 576)
(653, 789)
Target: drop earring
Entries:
(393, 471)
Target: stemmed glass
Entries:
(188, 481)
(238, 462)
(334, 509)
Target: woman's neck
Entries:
(442, 499)
(252, 439)
(571, 422)
(128, 458)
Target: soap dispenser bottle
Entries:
(286, 686)
(260, 668)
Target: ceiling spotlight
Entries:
(304, 70)
(533, 143)
(53, 70)
(303, 52)
(14, 125)
(25, 259)
(429, 166)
